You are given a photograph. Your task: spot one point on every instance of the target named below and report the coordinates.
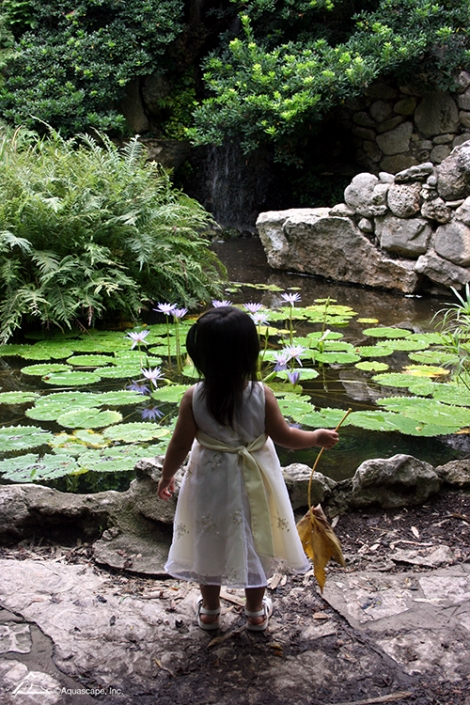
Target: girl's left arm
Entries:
(179, 446)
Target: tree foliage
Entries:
(70, 61)
(293, 61)
(88, 232)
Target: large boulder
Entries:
(333, 247)
(399, 481)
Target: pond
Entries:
(345, 388)
(72, 414)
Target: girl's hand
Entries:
(326, 438)
(165, 488)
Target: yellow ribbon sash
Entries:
(255, 487)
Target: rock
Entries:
(389, 125)
(464, 118)
(330, 247)
(399, 481)
(297, 478)
(358, 195)
(436, 114)
(452, 242)
(441, 271)
(380, 110)
(386, 178)
(403, 199)
(366, 195)
(406, 237)
(462, 81)
(430, 558)
(28, 509)
(398, 162)
(132, 108)
(396, 141)
(169, 153)
(366, 225)
(463, 100)
(455, 473)
(420, 172)
(463, 212)
(439, 153)
(405, 106)
(436, 209)
(453, 174)
(342, 210)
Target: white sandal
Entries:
(212, 613)
(266, 611)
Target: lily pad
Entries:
(32, 468)
(338, 358)
(323, 418)
(135, 432)
(426, 371)
(41, 370)
(88, 418)
(12, 398)
(374, 350)
(112, 459)
(429, 411)
(386, 332)
(294, 406)
(71, 379)
(371, 366)
(89, 360)
(15, 438)
(173, 393)
(452, 394)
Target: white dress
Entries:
(234, 523)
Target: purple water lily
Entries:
(253, 308)
(138, 337)
(167, 309)
(138, 387)
(260, 318)
(179, 312)
(219, 304)
(293, 376)
(151, 414)
(294, 352)
(291, 298)
(153, 375)
(282, 358)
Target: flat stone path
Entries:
(76, 634)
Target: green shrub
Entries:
(88, 231)
(72, 60)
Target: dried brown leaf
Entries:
(319, 542)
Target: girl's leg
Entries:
(254, 603)
(210, 601)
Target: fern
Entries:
(88, 231)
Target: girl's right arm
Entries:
(294, 438)
(179, 446)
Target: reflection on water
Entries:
(246, 262)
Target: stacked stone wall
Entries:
(395, 128)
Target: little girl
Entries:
(234, 523)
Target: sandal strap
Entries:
(259, 613)
(203, 610)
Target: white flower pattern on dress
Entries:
(207, 524)
(237, 517)
(180, 530)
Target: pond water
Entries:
(246, 262)
(337, 387)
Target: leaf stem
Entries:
(316, 462)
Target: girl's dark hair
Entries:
(224, 346)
